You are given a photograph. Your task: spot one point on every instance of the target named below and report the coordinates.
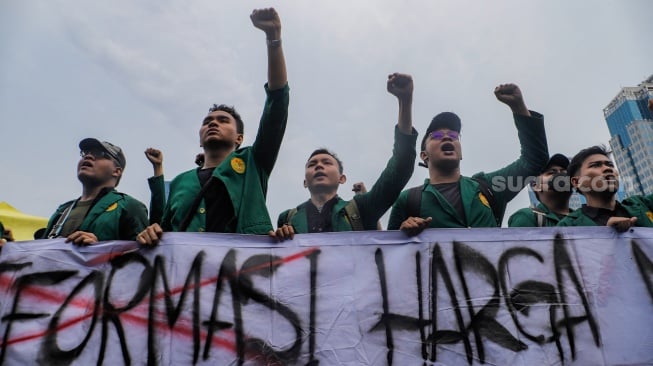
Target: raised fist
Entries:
(154, 156)
(511, 95)
(268, 21)
(400, 85)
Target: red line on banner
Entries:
(57, 298)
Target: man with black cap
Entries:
(594, 176)
(101, 213)
(449, 200)
(325, 211)
(553, 189)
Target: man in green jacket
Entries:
(449, 200)
(325, 211)
(593, 174)
(101, 213)
(553, 189)
(227, 194)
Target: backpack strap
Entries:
(291, 213)
(539, 216)
(414, 203)
(489, 194)
(185, 222)
(351, 210)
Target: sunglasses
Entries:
(98, 154)
(439, 135)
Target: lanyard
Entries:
(56, 229)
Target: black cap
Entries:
(448, 120)
(114, 151)
(559, 160)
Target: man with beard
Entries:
(227, 193)
(553, 190)
(101, 213)
(449, 200)
(594, 176)
(325, 211)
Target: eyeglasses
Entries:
(98, 154)
(439, 135)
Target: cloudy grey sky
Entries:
(142, 74)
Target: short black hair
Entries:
(328, 152)
(240, 126)
(579, 158)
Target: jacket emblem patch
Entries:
(238, 165)
(112, 207)
(650, 215)
(484, 200)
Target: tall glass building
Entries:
(631, 130)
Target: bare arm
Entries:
(401, 86)
(269, 22)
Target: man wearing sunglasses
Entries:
(449, 200)
(101, 213)
(325, 211)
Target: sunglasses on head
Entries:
(439, 135)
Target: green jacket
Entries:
(526, 217)
(245, 173)
(157, 198)
(505, 183)
(115, 216)
(373, 204)
(636, 206)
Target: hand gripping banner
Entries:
(547, 296)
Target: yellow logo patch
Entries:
(484, 200)
(112, 207)
(650, 215)
(238, 165)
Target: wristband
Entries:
(274, 42)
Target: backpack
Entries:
(415, 200)
(351, 213)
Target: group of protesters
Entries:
(226, 191)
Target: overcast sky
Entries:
(141, 74)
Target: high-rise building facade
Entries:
(631, 130)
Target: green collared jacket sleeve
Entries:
(157, 198)
(373, 204)
(507, 182)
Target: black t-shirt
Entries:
(220, 215)
(600, 216)
(319, 221)
(451, 192)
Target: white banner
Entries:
(549, 296)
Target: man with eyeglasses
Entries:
(325, 211)
(449, 200)
(227, 193)
(553, 189)
(101, 213)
